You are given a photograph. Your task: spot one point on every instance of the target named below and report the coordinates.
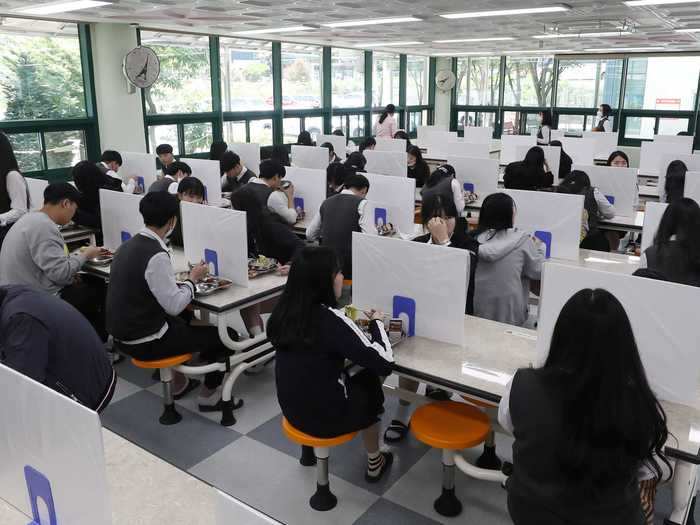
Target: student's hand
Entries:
(93, 251)
(546, 167)
(289, 192)
(375, 315)
(283, 269)
(438, 230)
(199, 272)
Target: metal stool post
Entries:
(448, 504)
(170, 415)
(324, 499)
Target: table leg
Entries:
(683, 488)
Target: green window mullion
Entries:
(555, 83)
(181, 138)
(247, 130)
(621, 99)
(42, 145)
(501, 97)
(453, 97)
(277, 132)
(327, 90)
(92, 132)
(216, 105)
(368, 93)
(403, 61)
(432, 69)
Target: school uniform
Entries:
(450, 189)
(565, 163)
(539, 491)
(274, 239)
(116, 182)
(167, 183)
(419, 172)
(672, 264)
(315, 392)
(275, 200)
(518, 176)
(49, 341)
(603, 124)
(14, 204)
(544, 135)
(338, 218)
(386, 129)
(596, 208)
(231, 184)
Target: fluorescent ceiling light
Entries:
(389, 44)
(622, 49)
(583, 35)
(458, 40)
(274, 30)
(470, 53)
(374, 22)
(689, 30)
(538, 51)
(507, 12)
(642, 3)
(61, 7)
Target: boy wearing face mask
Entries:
(172, 176)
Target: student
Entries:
(338, 132)
(341, 215)
(332, 157)
(602, 119)
(369, 143)
(336, 174)
(34, 254)
(269, 191)
(144, 301)
(174, 173)
(48, 340)
(165, 155)
(217, 149)
(313, 340)
(14, 192)
(190, 189)
(304, 139)
(675, 252)
(508, 260)
(674, 187)
(280, 154)
(418, 169)
(233, 173)
(565, 162)
(584, 423)
(596, 208)
(386, 123)
(109, 165)
(356, 161)
(443, 181)
(544, 133)
(529, 174)
(401, 134)
(618, 159)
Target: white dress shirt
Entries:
(278, 203)
(546, 133)
(313, 231)
(504, 410)
(17, 191)
(457, 195)
(128, 187)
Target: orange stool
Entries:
(450, 426)
(170, 416)
(488, 459)
(323, 499)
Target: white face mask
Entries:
(599, 114)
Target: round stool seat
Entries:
(300, 438)
(478, 402)
(168, 362)
(347, 282)
(450, 425)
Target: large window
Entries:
(662, 83)
(589, 83)
(184, 85)
(417, 80)
(385, 79)
(348, 78)
(478, 80)
(528, 81)
(246, 75)
(302, 73)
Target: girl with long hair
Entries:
(14, 192)
(386, 123)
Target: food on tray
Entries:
(394, 327)
(260, 266)
(470, 196)
(386, 229)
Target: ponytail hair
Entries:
(389, 110)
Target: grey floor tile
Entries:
(138, 376)
(384, 512)
(185, 444)
(278, 486)
(124, 389)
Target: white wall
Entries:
(443, 101)
(120, 113)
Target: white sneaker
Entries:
(210, 403)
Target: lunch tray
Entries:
(256, 270)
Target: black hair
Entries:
(389, 110)
(534, 158)
(618, 153)
(401, 134)
(682, 220)
(192, 186)
(606, 110)
(280, 153)
(294, 321)
(547, 117)
(247, 202)
(304, 139)
(8, 163)
(446, 171)
(217, 149)
(594, 370)
(357, 161)
(86, 176)
(329, 146)
(178, 166)
(357, 181)
(111, 156)
(435, 205)
(496, 213)
(369, 141)
(270, 168)
(416, 152)
(336, 174)
(163, 149)
(158, 207)
(675, 180)
(228, 161)
(60, 191)
(338, 132)
(579, 183)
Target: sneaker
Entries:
(210, 403)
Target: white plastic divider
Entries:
(230, 510)
(510, 144)
(310, 157)
(209, 172)
(606, 142)
(423, 133)
(653, 154)
(692, 185)
(36, 192)
(619, 185)
(60, 439)
(249, 153)
(581, 150)
(554, 218)
(390, 275)
(437, 142)
(557, 134)
(552, 154)
(340, 144)
(467, 149)
(652, 217)
(692, 162)
(663, 317)
(478, 176)
(139, 165)
(309, 190)
(682, 140)
(121, 218)
(393, 163)
(392, 199)
(218, 237)
(390, 144)
(478, 135)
